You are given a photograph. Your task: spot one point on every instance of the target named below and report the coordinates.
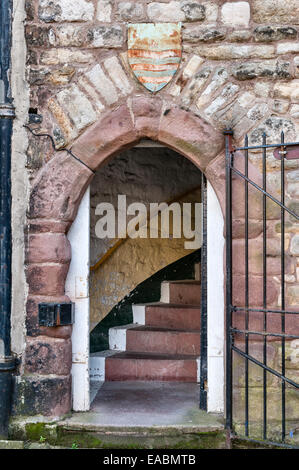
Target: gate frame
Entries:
(230, 151)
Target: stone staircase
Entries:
(163, 343)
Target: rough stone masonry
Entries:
(240, 69)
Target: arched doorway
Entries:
(56, 194)
(77, 289)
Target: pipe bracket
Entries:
(7, 111)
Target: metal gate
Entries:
(251, 399)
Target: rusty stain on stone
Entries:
(154, 53)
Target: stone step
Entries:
(130, 365)
(161, 340)
(181, 292)
(131, 415)
(171, 316)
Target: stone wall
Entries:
(239, 69)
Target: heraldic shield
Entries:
(154, 53)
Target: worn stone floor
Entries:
(133, 404)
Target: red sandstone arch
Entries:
(55, 197)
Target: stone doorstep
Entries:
(7, 444)
(74, 431)
(10, 444)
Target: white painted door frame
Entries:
(215, 302)
(77, 290)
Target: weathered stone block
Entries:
(47, 279)
(29, 9)
(274, 33)
(275, 11)
(11, 444)
(78, 106)
(147, 112)
(256, 410)
(273, 127)
(84, 83)
(295, 244)
(58, 188)
(280, 106)
(262, 89)
(39, 395)
(255, 290)
(69, 35)
(39, 76)
(257, 112)
(235, 14)
(256, 323)
(255, 372)
(195, 34)
(61, 76)
(102, 84)
(62, 56)
(268, 69)
(219, 78)
(192, 66)
(165, 11)
(45, 355)
(106, 36)
(44, 226)
(255, 249)
(212, 11)
(292, 355)
(195, 85)
(293, 176)
(37, 36)
(184, 10)
(104, 9)
(65, 10)
(254, 230)
(231, 51)
(118, 75)
(288, 48)
(225, 96)
(190, 135)
(130, 11)
(39, 152)
(48, 247)
(193, 10)
(243, 35)
(66, 127)
(114, 132)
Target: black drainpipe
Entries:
(7, 362)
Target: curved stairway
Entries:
(162, 344)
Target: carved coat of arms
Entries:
(154, 53)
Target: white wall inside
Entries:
(215, 275)
(78, 290)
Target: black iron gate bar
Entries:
(204, 302)
(230, 330)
